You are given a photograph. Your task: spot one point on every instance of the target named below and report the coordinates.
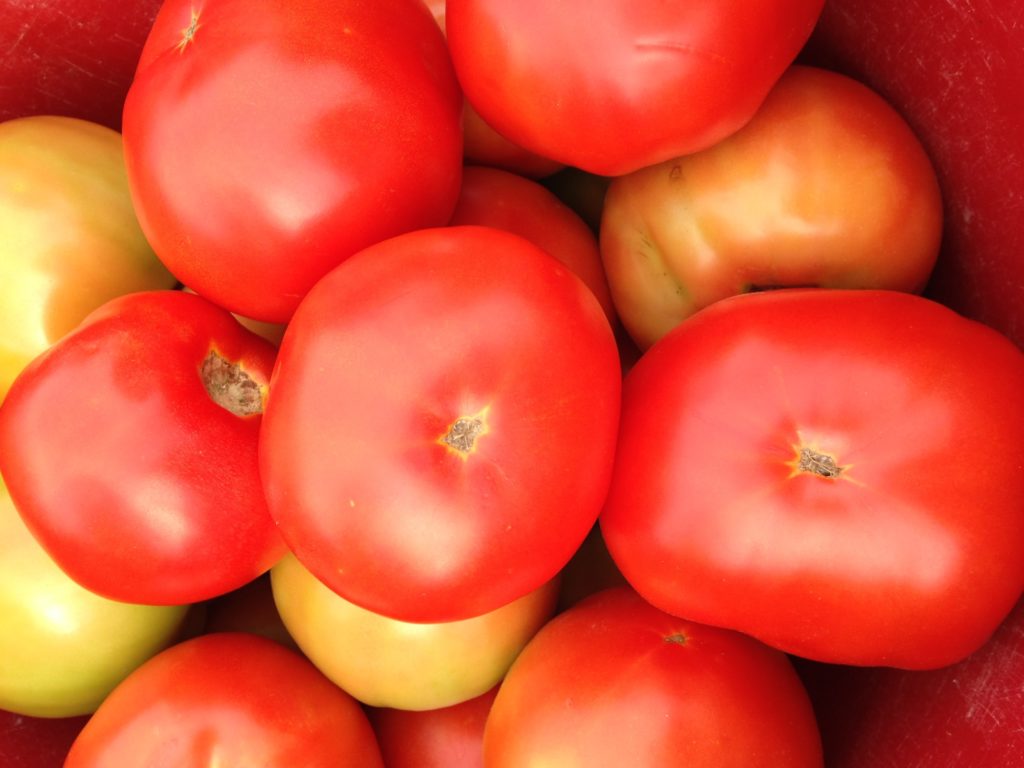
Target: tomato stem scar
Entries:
(463, 433)
(229, 386)
(189, 32)
(816, 463)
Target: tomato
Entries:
(63, 648)
(69, 238)
(441, 426)
(482, 145)
(266, 143)
(826, 186)
(385, 662)
(632, 84)
(130, 449)
(449, 737)
(495, 198)
(228, 699)
(614, 681)
(836, 473)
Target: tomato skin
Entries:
(826, 186)
(261, 152)
(909, 556)
(449, 737)
(139, 485)
(614, 681)
(384, 662)
(482, 145)
(636, 84)
(492, 197)
(483, 328)
(227, 699)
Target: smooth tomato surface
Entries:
(119, 450)
(227, 699)
(62, 647)
(614, 681)
(834, 472)
(441, 425)
(631, 84)
(386, 662)
(69, 237)
(449, 737)
(826, 186)
(266, 143)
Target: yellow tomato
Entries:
(69, 237)
(389, 663)
(62, 648)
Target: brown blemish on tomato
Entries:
(229, 386)
(678, 638)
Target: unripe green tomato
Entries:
(69, 237)
(63, 648)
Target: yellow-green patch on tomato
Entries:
(69, 237)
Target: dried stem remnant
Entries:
(820, 464)
(229, 386)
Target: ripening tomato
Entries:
(227, 699)
(69, 237)
(130, 449)
(62, 647)
(492, 197)
(441, 424)
(267, 142)
(835, 472)
(826, 186)
(613, 681)
(614, 85)
(386, 662)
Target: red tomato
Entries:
(483, 145)
(228, 699)
(826, 186)
(613, 682)
(612, 86)
(266, 143)
(442, 423)
(491, 197)
(130, 449)
(449, 737)
(834, 472)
